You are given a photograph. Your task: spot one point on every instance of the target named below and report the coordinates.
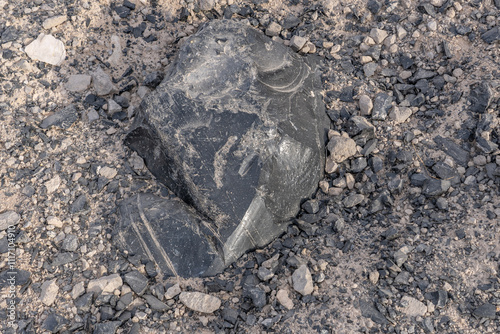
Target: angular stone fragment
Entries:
(381, 106)
(365, 105)
(297, 42)
(8, 218)
(105, 284)
(46, 48)
(49, 292)
(54, 21)
(485, 311)
(491, 35)
(302, 280)
(200, 302)
(449, 147)
(480, 97)
(172, 291)
(102, 82)
(412, 307)
(236, 130)
(368, 310)
(137, 282)
(62, 119)
(78, 82)
(341, 148)
(400, 114)
(284, 299)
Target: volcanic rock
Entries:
(236, 130)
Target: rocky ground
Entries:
(403, 235)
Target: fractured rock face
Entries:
(236, 130)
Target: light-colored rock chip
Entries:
(54, 21)
(78, 83)
(365, 105)
(172, 291)
(53, 184)
(378, 35)
(49, 292)
(284, 300)
(8, 218)
(54, 221)
(105, 284)
(400, 114)
(412, 307)
(302, 280)
(341, 148)
(48, 49)
(200, 302)
(107, 172)
(102, 82)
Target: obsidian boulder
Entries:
(236, 130)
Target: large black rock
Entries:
(237, 131)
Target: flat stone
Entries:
(105, 284)
(491, 35)
(369, 69)
(62, 119)
(53, 184)
(365, 105)
(368, 310)
(297, 42)
(54, 323)
(273, 29)
(78, 290)
(155, 303)
(8, 218)
(54, 21)
(413, 307)
(70, 243)
(236, 103)
(200, 302)
(486, 311)
(49, 292)
(438, 298)
(78, 83)
(102, 82)
(106, 327)
(358, 126)
(449, 147)
(373, 276)
(108, 172)
(265, 274)
(291, 21)
(302, 280)
(353, 200)
(173, 291)
(206, 4)
(79, 204)
(480, 97)
(284, 299)
(422, 74)
(381, 106)
(46, 48)
(400, 114)
(378, 35)
(435, 187)
(54, 221)
(341, 148)
(137, 282)
(113, 107)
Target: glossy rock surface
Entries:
(237, 131)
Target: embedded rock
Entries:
(46, 48)
(237, 131)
